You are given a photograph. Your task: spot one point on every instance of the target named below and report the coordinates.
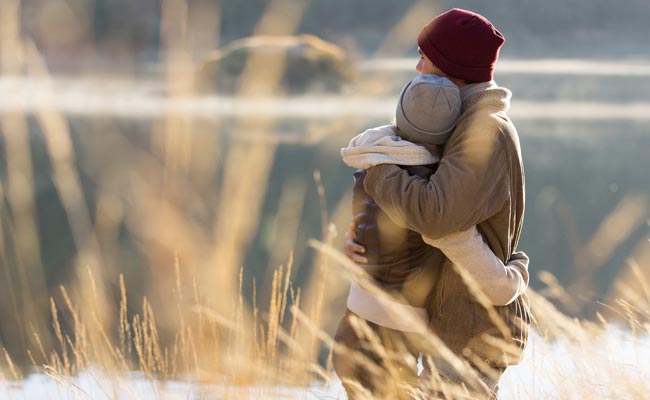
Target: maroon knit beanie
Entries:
(462, 44)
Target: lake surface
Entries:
(579, 90)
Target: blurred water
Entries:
(579, 90)
(553, 66)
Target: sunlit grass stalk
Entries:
(15, 373)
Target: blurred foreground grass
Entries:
(274, 354)
(143, 275)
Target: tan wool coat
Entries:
(479, 181)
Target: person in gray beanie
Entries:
(401, 262)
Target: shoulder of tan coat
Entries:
(486, 124)
(482, 136)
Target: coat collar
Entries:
(485, 93)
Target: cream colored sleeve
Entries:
(501, 283)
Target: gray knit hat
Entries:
(427, 110)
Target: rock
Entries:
(278, 64)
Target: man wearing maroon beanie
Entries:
(479, 181)
(462, 44)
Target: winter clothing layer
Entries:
(479, 182)
(462, 44)
(391, 261)
(428, 108)
(382, 145)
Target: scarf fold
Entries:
(382, 145)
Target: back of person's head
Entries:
(463, 44)
(427, 109)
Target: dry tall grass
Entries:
(194, 323)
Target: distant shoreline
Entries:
(97, 101)
(542, 66)
(141, 97)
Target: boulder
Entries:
(309, 64)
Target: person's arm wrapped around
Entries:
(470, 185)
(501, 283)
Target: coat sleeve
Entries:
(470, 186)
(501, 283)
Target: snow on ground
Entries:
(601, 368)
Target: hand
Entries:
(353, 249)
